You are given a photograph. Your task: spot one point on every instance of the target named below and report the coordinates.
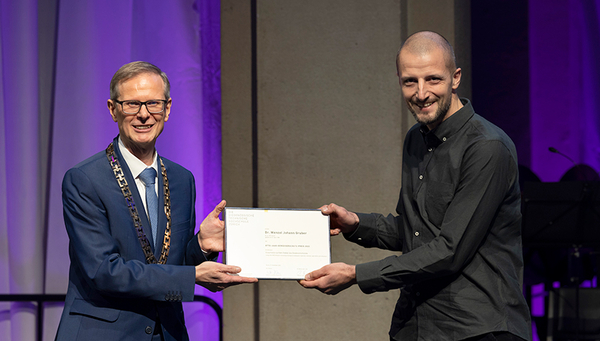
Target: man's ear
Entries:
(456, 78)
(112, 108)
(168, 109)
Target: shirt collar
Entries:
(136, 166)
(448, 127)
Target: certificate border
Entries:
(271, 209)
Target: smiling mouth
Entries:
(425, 105)
(148, 126)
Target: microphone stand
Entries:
(574, 254)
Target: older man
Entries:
(130, 218)
(458, 223)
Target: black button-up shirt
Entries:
(459, 230)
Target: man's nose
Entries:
(143, 114)
(422, 91)
(143, 117)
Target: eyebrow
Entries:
(435, 75)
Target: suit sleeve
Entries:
(95, 251)
(193, 253)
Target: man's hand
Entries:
(331, 278)
(342, 220)
(212, 231)
(216, 276)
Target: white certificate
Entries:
(276, 243)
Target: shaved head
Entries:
(429, 78)
(424, 42)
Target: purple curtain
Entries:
(565, 80)
(57, 59)
(564, 49)
(21, 258)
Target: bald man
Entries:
(459, 220)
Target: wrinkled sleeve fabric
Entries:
(487, 172)
(377, 230)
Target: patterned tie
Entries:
(148, 177)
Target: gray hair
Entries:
(134, 69)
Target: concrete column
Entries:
(329, 127)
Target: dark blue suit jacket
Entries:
(113, 294)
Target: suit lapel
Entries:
(136, 195)
(162, 218)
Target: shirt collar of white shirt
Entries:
(136, 166)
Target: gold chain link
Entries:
(116, 167)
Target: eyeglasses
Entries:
(154, 106)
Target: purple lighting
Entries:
(85, 42)
(564, 52)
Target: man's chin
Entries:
(424, 119)
(140, 143)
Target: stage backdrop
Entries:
(564, 50)
(57, 59)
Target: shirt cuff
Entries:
(369, 278)
(210, 256)
(195, 255)
(365, 232)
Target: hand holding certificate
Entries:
(334, 278)
(276, 243)
(210, 274)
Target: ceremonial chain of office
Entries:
(116, 167)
